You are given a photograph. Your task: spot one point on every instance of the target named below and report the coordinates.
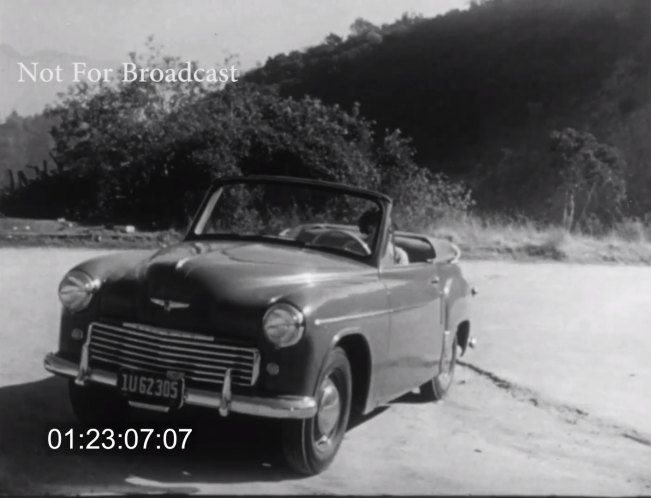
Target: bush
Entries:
(146, 153)
(592, 177)
(421, 198)
(593, 226)
(632, 230)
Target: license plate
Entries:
(152, 387)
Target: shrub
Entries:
(139, 154)
(632, 230)
(421, 198)
(591, 177)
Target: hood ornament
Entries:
(168, 304)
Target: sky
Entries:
(202, 30)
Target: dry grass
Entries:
(478, 237)
(481, 238)
(23, 232)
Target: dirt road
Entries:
(555, 399)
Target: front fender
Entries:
(458, 310)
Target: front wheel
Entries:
(310, 445)
(438, 387)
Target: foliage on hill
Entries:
(147, 152)
(542, 106)
(480, 91)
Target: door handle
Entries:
(434, 280)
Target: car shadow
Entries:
(357, 420)
(410, 398)
(220, 450)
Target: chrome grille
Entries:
(198, 357)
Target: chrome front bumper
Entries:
(293, 407)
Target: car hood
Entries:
(217, 284)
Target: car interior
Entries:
(417, 248)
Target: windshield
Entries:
(305, 215)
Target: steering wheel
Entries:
(355, 239)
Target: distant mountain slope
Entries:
(30, 98)
(473, 86)
(25, 140)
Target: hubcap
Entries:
(329, 407)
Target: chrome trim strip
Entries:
(180, 263)
(147, 406)
(356, 316)
(369, 314)
(409, 307)
(169, 305)
(167, 332)
(284, 407)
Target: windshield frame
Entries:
(382, 201)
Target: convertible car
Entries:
(284, 300)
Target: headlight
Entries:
(283, 325)
(76, 290)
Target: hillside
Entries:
(24, 131)
(543, 107)
(25, 143)
(29, 98)
(481, 90)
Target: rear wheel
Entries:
(439, 386)
(94, 404)
(310, 445)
